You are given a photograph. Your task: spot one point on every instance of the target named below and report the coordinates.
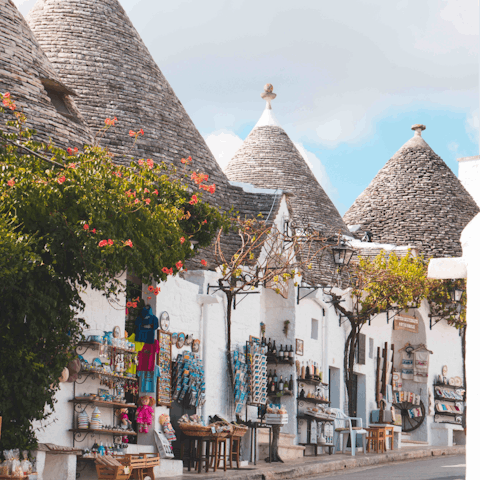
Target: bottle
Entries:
(290, 383)
(307, 371)
(280, 353)
(269, 345)
(101, 450)
(285, 385)
(274, 348)
(290, 353)
(280, 384)
(275, 378)
(302, 393)
(272, 387)
(302, 375)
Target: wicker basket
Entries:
(195, 430)
(239, 430)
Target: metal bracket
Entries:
(216, 288)
(312, 290)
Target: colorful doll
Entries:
(145, 413)
(122, 414)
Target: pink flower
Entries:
(131, 133)
(69, 151)
(86, 226)
(128, 243)
(155, 192)
(211, 188)
(141, 132)
(102, 243)
(182, 240)
(11, 183)
(150, 163)
(94, 230)
(134, 304)
(146, 190)
(141, 162)
(61, 179)
(147, 201)
(110, 241)
(194, 200)
(204, 263)
(204, 222)
(7, 95)
(136, 200)
(179, 265)
(183, 160)
(72, 165)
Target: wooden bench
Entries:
(142, 464)
(109, 468)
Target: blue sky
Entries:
(351, 77)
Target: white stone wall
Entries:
(469, 175)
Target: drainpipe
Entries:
(204, 301)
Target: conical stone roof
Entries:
(26, 73)
(415, 199)
(269, 159)
(96, 49)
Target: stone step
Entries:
(413, 442)
(286, 453)
(285, 439)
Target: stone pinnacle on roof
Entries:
(268, 95)
(415, 199)
(27, 74)
(269, 159)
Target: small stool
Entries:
(389, 435)
(234, 450)
(219, 452)
(373, 439)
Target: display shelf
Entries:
(271, 358)
(102, 403)
(449, 414)
(284, 394)
(313, 400)
(104, 431)
(94, 345)
(445, 385)
(445, 399)
(311, 381)
(112, 375)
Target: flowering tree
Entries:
(388, 282)
(68, 220)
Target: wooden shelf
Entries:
(438, 397)
(102, 403)
(306, 416)
(444, 385)
(271, 358)
(113, 375)
(311, 381)
(104, 431)
(449, 414)
(313, 400)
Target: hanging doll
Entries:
(145, 413)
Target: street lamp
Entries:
(342, 254)
(456, 294)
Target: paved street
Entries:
(439, 468)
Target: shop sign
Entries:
(405, 322)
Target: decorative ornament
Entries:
(116, 332)
(180, 340)
(164, 321)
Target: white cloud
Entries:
(463, 15)
(223, 144)
(472, 126)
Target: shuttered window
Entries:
(361, 348)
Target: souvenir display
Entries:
(164, 361)
(449, 400)
(196, 346)
(257, 363)
(241, 381)
(82, 420)
(144, 413)
(167, 428)
(125, 422)
(180, 340)
(188, 340)
(164, 321)
(96, 420)
(276, 415)
(146, 358)
(410, 397)
(189, 380)
(145, 325)
(148, 380)
(116, 332)
(420, 366)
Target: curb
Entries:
(363, 461)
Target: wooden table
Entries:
(377, 434)
(397, 433)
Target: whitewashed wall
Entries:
(469, 175)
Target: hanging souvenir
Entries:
(164, 321)
(145, 325)
(180, 340)
(196, 346)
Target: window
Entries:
(59, 96)
(58, 102)
(314, 329)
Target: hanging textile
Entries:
(420, 368)
(407, 366)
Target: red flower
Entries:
(141, 132)
(151, 288)
(157, 291)
(131, 133)
(69, 151)
(118, 174)
(146, 190)
(183, 160)
(155, 192)
(102, 243)
(61, 179)
(129, 304)
(150, 163)
(94, 230)
(11, 183)
(189, 159)
(86, 226)
(194, 200)
(110, 241)
(147, 201)
(128, 243)
(134, 304)
(149, 298)
(141, 162)
(204, 263)
(204, 222)
(211, 188)
(170, 272)
(165, 270)
(72, 165)
(182, 240)
(179, 265)
(136, 200)
(136, 299)
(7, 95)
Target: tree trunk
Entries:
(348, 364)
(229, 336)
(275, 439)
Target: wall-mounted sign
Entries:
(405, 322)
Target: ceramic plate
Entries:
(180, 340)
(451, 382)
(458, 381)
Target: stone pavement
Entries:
(309, 466)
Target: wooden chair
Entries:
(219, 452)
(109, 468)
(234, 450)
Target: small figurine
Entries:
(145, 413)
(122, 414)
